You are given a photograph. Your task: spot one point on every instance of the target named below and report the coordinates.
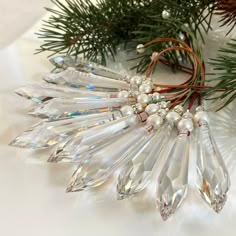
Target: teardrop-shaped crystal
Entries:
(136, 174)
(93, 139)
(76, 78)
(102, 164)
(213, 178)
(59, 108)
(48, 133)
(82, 64)
(44, 92)
(172, 182)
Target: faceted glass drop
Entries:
(82, 64)
(59, 108)
(102, 164)
(213, 178)
(136, 174)
(45, 92)
(172, 182)
(76, 78)
(48, 133)
(93, 139)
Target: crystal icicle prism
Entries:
(76, 78)
(59, 108)
(82, 64)
(48, 133)
(213, 179)
(41, 93)
(136, 174)
(93, 139)
(173, 179)
(102, 164)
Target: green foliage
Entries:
(80, 26)
(225, 78)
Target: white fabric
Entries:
(33, 201)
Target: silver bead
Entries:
(164, 104)
(166, 14)
(162, 113)
(145, 88)
(179, 109)
(127, 110)
(188, 115)
(200, 108)
(172, 117)
(142, 98)
(149, 82)
(181, 36)
(139, 107)
(185, 124)
(200, 116)
(140, 48)
(151, 108)
(123, 94)
(156, 96)
(150, 97)
(136, 80)
(155, 120)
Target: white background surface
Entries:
(33, 201)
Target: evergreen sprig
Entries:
(225, 78)
(95, 30)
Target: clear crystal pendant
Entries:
(84, 65)
(136, 174)
(76, 78)
(42, 93)
(102, 164)
(48, 133)
(59, 108)
(213, 179)
(93, 139)
(173, 180)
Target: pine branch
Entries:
(96, 30)
(225, 78)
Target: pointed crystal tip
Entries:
(121, 196)
(218, 203)
(72, 188)
(165, 211)
(76, 186)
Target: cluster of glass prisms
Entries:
(96, 118)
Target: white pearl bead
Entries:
(123, 94)
(172, 117)
(154, 55)
(156, 96)
(145, 88)
(181, 36)
(154, 120)
(166, 14)
(139, 107)
(143, 98)
(127, 110)
(200, 116)
(151, 108)
(140, 48)
(136, 80)
(185, 124)
(134, 120)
